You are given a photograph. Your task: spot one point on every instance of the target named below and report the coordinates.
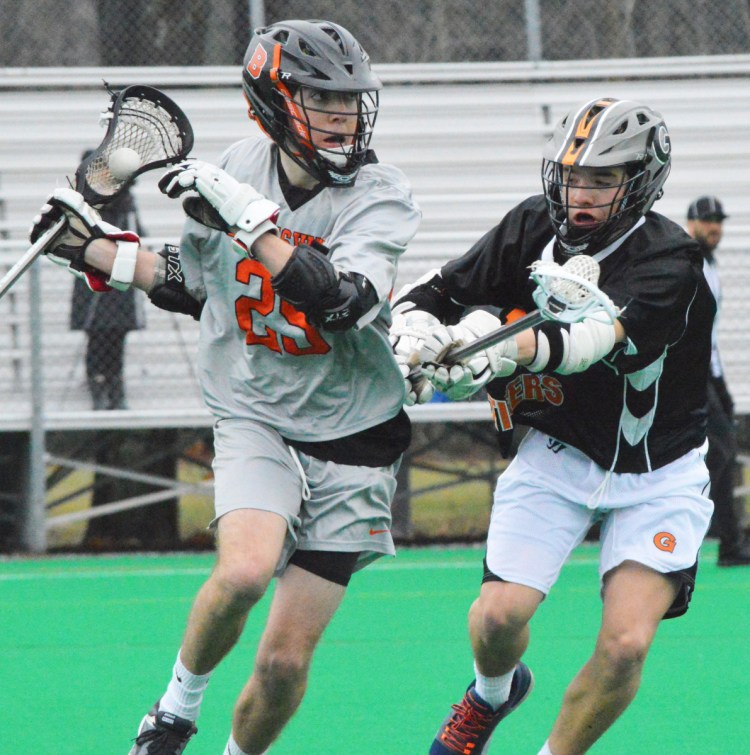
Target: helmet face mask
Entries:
(310, 88)
(627, 140)
(329, 131)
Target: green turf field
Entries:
(88, 644)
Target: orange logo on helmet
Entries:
(665, 541)
(257, 61)
(583, 130)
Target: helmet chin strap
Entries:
(568, 251)
(570, 248)
(598, 252)
(339, 158)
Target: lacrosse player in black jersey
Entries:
(615, 407)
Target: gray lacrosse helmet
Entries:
(318, 55)
(606, 133)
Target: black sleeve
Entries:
(495, 271)
(722, 392)
(658, 292)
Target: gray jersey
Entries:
(259, 357)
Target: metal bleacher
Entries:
(468, 137)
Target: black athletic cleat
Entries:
(468, 729)
(162, 733)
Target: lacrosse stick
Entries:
(566, 293)
(145, 130)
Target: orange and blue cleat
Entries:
(468, 728)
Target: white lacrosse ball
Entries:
(124, 162)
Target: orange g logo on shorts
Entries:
(665, 541)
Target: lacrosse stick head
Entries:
(146, 128)
(569, 292)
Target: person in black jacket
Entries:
(108, 319)
(615, 404)
(705, 218)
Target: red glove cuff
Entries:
(96, 280)
(124, 236)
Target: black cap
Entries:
(706, 208)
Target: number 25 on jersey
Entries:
(292, 333)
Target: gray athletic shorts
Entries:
(349, 507)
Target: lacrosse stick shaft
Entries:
(494, 337)
(567, 291)
(34, 251)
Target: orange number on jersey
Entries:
(245, 306)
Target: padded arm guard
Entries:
(168, 290)
(329, 299)
(569, 348)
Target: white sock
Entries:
(494, 690)
(545, 750)
(233, 748)
(185, 692)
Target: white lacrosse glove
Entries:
(459, 381)
(407, 334)
(83, 224)
(247, 213)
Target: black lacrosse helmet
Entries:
(319, 55)
(604, 133)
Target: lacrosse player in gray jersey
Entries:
(288, 259)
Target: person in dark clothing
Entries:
(705, 224)
(108, 319)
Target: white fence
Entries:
(469, 137)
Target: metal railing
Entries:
(468, 136)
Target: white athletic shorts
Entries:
(550, 495)
(349, 508)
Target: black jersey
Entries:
(642, 406)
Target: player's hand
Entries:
(246, 213)
(459, 381)
(83, 224)
(407, 334)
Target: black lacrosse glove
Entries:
(83, 224)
